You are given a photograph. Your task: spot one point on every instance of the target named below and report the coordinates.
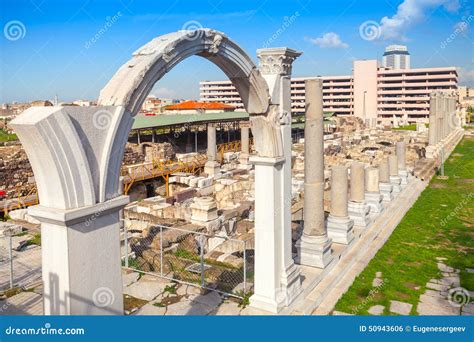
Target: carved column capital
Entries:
(276, 60)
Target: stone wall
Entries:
(16, 175)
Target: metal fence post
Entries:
(245, 266)
(201, 252)
(161, 250)
(10, 251)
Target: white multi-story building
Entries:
(371, 92)
(396, 57)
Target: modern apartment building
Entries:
(396, 57)
(371, 92)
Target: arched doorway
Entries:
(76, 154)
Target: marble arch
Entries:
(76, 155)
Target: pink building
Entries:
(371, 92)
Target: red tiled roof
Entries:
(195, 105)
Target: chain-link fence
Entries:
(193, 257)
(20, 261)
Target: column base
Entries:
(432, 152)
(291, 284)
(386, 191)
(340, 229)
(314, 251)
(359, 213)
(212, 168)
(396, 181)
(374, 201)
(403, 174)
(272, 304)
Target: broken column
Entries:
(358, 208)
(339, 225)
(395, 179)
(212, 167)
(314, 246)
(385, 186)
(245, 145)
(372, 190)
(204, 212)
(402, 164)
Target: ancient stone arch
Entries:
(76, 155)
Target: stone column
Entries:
(401, 159)
(245, 146)
(372, 190)
(339, 225)
(385, 186)
(189, 145)
(358, 208)
(431, 149)
(314, 247)
(395, 179)
(212, 167)
(432, 120)
(277, 279)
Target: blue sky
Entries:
(44, 48)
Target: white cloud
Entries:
(410, 13)
(466, 77)
(329, 40)
(163, 92)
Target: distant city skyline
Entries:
(73, 49)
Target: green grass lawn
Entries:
(440, 224)
(411, 127)
(4, 136)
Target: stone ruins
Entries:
(302, 207)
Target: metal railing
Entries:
(192, 257)
(20, 262)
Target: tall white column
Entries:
(358, 208)
(339, 225)
(267, 289)
(314, 247)
(212, 167)
(279, 282)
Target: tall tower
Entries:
(396, 57)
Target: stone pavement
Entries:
(442, 295)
